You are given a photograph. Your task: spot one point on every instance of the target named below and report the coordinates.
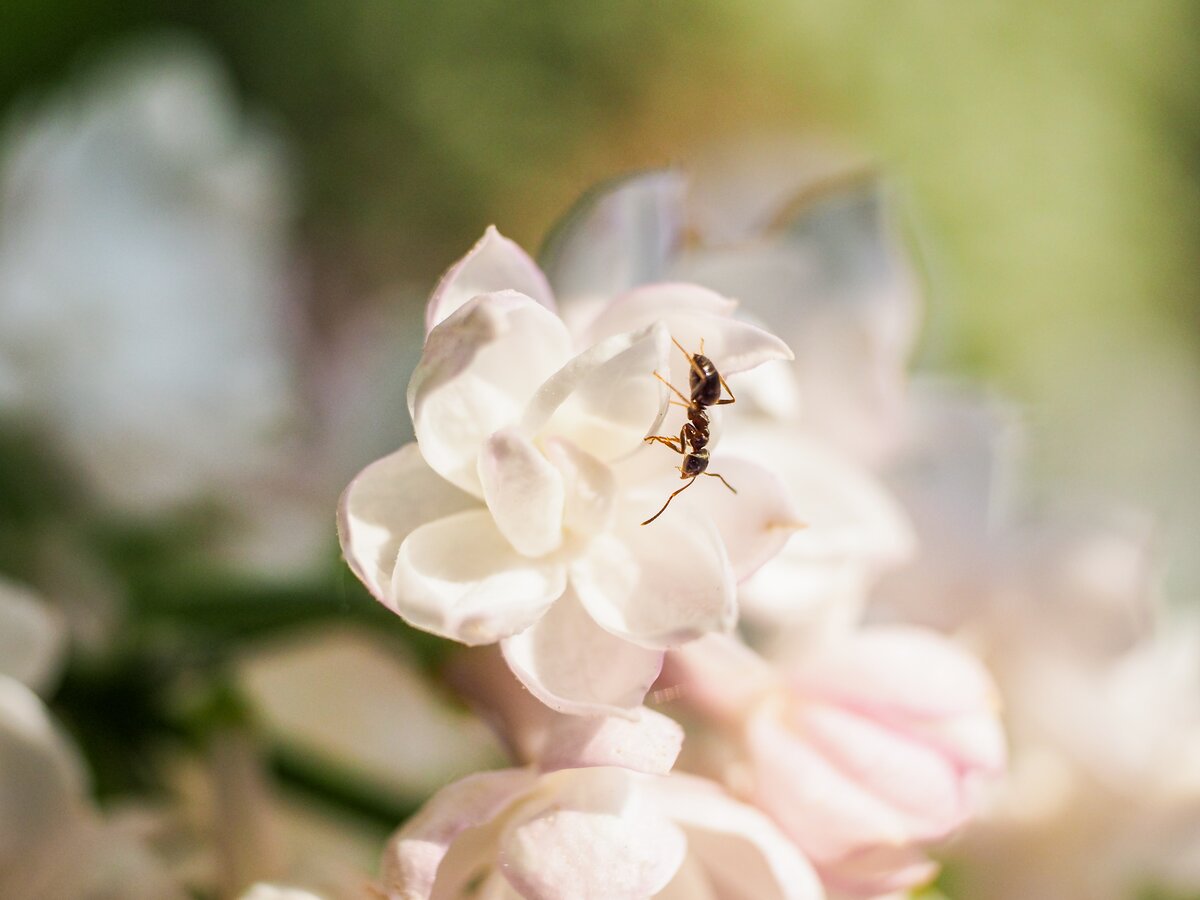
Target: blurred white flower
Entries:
(601, 819)
(344, 701)
(54, 844)
(515, 517)
(143, 282)
(32, 637)
(1104, 801)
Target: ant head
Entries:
(693, 464)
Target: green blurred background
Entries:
(1050, 154)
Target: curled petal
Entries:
(755, 522)
(480, 368)
(415, 854)
(524, 492)
(692, 314)
(590, 485)
(494, 264)
(459, 578)
(594, 837)
(745, 855)
(572, 665)
(649, 742)
(381, 507)
(659, 585)
(606, 399)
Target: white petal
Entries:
(414, 855)
(606, 399)
(658, 585)
(32, 637)
(591, 488)
(755, 522)
(524, 493)
(574, 666)
(618, 236)
(649, 742)
(847, 511)
(494, 264)
(692, 314)
(381, 507)
(479, 370)
(459, 578)
(593, 837)
(746, 856)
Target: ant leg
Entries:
(678, 393)
(723, 481)
(677, 403)
(669, 499)
(675, 444)
(732, 399)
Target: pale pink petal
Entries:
(692, 314)
(618, 236)
(880, 872)
(649, 742)
(755, 522)
(917, 682)
(574, 666)
(659, 585)
(719, 675)
(381, 507)
(494, 264)
(594, 837)
(691, 882)
(591, 488)
(916, 781)
(822, 797)
(607, 399)
(479, 370)
(744, 853)
(459, 578)
(414, 855)
(524, 492)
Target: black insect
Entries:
(706, 386)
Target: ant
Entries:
(706, 384)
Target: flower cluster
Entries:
(516, 517)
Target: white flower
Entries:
(53, 843)
(143, 276)
(603, 819)
(515, 517)
(832, 281)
